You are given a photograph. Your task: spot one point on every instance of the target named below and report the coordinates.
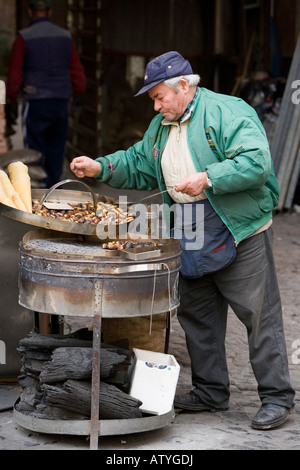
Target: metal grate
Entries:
(64, 247)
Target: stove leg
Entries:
(168, 328)
(45, 324)
(95, 389)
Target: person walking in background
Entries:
(212, 152)
(45, 67)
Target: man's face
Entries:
(169, 102)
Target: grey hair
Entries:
(193, 80)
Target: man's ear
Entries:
(184, 85)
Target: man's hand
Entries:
(85, 166)
(193, 184)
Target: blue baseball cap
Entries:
(168, 65)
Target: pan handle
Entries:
(114, 270)
(55, 186)
(137, 268)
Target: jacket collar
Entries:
(187, 113)
(39, 20)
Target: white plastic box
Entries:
(154, 380)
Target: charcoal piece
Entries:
(75, 396)
(76, 363)
(38, 341)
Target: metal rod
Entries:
(151, 195)
(60, 183)
(168, 328)
(95, 389)
(292, 145)
(286, 112)
(45, 324)
(293, 183)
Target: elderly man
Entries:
(211, 152)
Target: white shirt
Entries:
(177, 162)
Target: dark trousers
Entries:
(45, 129)
(249, 286)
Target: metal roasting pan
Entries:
(110, 231)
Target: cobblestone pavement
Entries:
(229, 430)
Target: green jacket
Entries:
(226, 139)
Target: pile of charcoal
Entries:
(56, 378)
